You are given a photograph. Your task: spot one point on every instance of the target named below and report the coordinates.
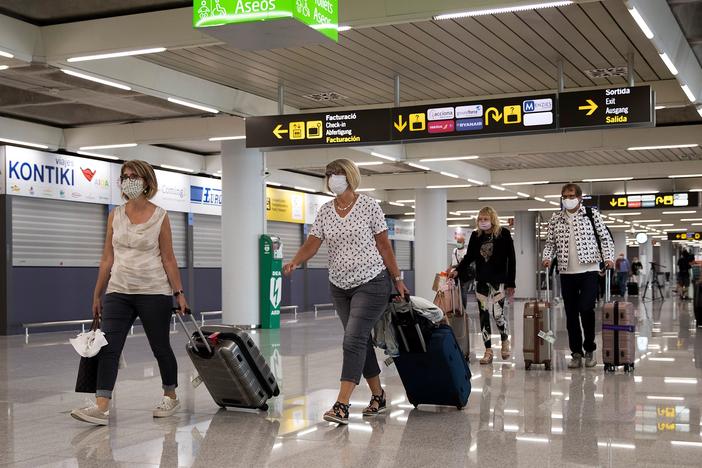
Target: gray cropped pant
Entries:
(359, 309)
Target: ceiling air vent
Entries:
(607, 72)
(325, 97)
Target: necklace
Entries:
(345, 207)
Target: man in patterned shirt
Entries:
(580, 241)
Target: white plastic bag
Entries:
(88, 344)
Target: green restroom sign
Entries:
(321, 15)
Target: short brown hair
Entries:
(572, 186)
(146, 172)
(349, 168)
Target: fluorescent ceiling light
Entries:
(675, 230)
(635, 213)
(343, 28)
(419, 166)
(661, 397)
(96, 79)
(193, 105)
(660, 107)
(448, 174)
(511, 197)
(542, 200)
(176, 168)
(544, 209)
(6, 54)
(688, 93)
(3, 67)
(608, 179)
(538, 182)
(640, 192)
(640, 21)
(662, 359)
(274, 184)
(226, 138)
(404, 201)
(383, 156)
(409, 213)
(497, 187)
(23, 143)
(682, 176)
(304, 189)
(456, 158)
(396, 204)
(522, 194)
(554, 196)
(476, 182)
(554, 203)
(497, 11)
(686, 443)
(618, 225)
(669, 63)
(98, 147)
(541, 440)
(97, 155)
(661, 225)
(616, 445)
(647, 220)
(369, 163)
(642, 148)
(679, 212)
(699, 111)
(691, 219)
(464, 218)
(448, 186)
(126, 53)
(365, 190)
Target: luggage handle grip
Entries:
(189, 313)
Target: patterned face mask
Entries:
(132, 188)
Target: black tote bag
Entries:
(86, 381)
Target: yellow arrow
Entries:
(495, 115)
(400, 125)
(613, 202)
(278, 131)
(591, 107)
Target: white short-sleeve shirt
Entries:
(353, 256)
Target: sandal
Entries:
(338, 414)
(372, 410)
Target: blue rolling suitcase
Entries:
(439, 376)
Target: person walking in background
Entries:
(622, 267)
(456, 256)
(578, 238)
(636, 269)
(684, 267)
(492, 250)
(362, 270)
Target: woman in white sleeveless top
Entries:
(140, 276)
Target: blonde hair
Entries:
(489, 211)
(146, 172)
(349, 168)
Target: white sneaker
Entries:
(92, 414)
(167, 407)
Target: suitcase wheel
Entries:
(459, 408)
(527, 365)
(547, 365)
(263, 407)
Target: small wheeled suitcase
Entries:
(231, 366)
(618, 332)
(632, 288)
(439, 376)
(537, 325)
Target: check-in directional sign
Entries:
(610, 107)
(685, 236)
(652, 200)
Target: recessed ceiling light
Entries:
(640, 21)
(543, 200)
(6, 54)
(404, 201)
(688, 93)
(226, 138)
(682, 176)
(99, 147)
(396, 204)
(679, 212)
(544, 209)
(365, 190)
(448, 186)
(608, 179)
(497, 11)
(23, 143)
(510, 197)
(274, 184)
(497, 187)
(343, 28)
(522, 194)
(538, 182)
(660, 107)
(193, 105)
(455, 158)
(3, 67)
(690, 219)
(304, 189)
(96, 79)
(669, 63)
(176, 168)
(633, 213)
(642, 192)
(369, 163)
(97, 155)
(383, 156)
(127, 53)
(448, 174)
(661, 225)
(656, 147)
(476, 182)
(419, 166)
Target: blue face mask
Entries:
(460, 245)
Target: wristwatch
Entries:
(178, 293)
(397, 279)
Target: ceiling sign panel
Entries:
(652, 200)
(610, 107)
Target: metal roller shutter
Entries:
(179, 232)
(207, 241)
(321, 260)
(290, 234)
(403, 253)
(57, 233)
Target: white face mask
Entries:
(485, 225)
(571, 203)
(338, 184)
(132, 188)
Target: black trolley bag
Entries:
(230, 365)
(431, 364)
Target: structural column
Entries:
(243, 222)
(528, 260)
(619, 238)
(666, 258)
(430, 245)
(646, 255)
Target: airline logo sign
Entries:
(653, 200)
(688, 236)
(607, 107)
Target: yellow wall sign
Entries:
(285, 206)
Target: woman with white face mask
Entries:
(140, 276)
(362, 270)
(491, 248)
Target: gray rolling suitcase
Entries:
(231, 366)
(537, 320)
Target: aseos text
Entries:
(256, 6)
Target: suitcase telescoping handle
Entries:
(608, 285)
(188, 312)
(548, 285)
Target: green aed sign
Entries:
(320, 15)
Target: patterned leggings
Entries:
(491, 298)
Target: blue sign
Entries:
(466, 125)
(41, 173)
(205, 195)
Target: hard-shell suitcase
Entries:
(231, 366)
(632, 288)
(456, 315)
(537, 325)
(439, 376)
(618, 333)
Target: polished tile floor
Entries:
(514, 418)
